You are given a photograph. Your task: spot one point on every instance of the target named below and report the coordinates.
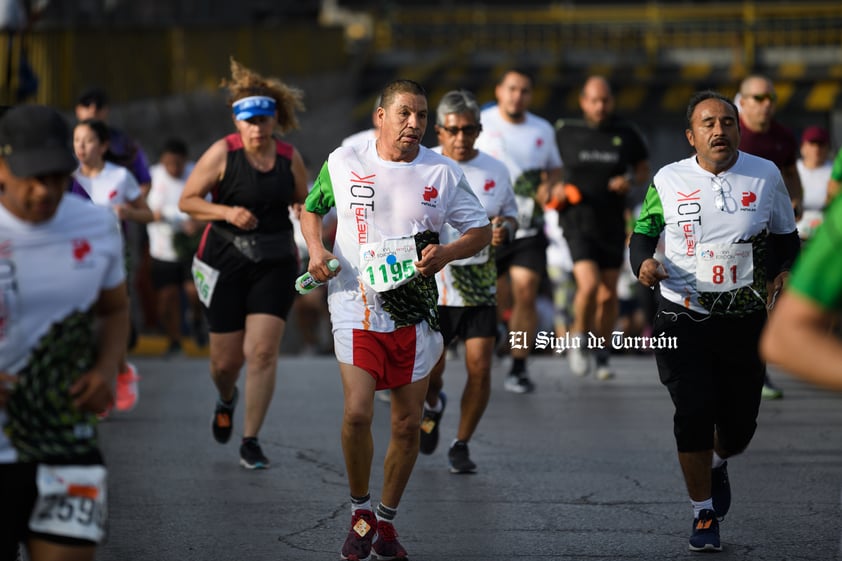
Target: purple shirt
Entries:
(777, 144)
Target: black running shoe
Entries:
(223, 418)
(460, 458)
(705, 536)
(430, 427)
(720, 490)
(251, 455)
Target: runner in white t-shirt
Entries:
(468, 288)
(728, 229)
(111, 186)
(393, 198)
(63, 327)
(527, 145)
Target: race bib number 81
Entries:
(71, 502)
(724, 267)
(388, 264)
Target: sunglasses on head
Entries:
(467, 130)
(760, 98)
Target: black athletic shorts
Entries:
(168, 273)
(525, 252)
(467, 322)
(714, 376)
(19, 491)
(259, 288)
(607, 252)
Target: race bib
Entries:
(525, 211)
(723, 267)
(204, 277)
(71, 502)
(388, 264)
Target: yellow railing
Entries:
(140, 63)
(646, 30)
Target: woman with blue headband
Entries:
(247, 261)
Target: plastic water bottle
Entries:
(305, 283)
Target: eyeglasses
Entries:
(467, 130)
(760, 98)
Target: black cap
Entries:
(35, 140)
(93, 96)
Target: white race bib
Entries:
(723, 267)
(204, 277)
(525, 210)
(71, 502)
(388, 264)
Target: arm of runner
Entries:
(93, 390)
(434, 257)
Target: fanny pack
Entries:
(259, 247)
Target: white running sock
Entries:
(699, 506)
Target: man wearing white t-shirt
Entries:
(467, 288)
(393, 197)
(527, 145)
(728, 229)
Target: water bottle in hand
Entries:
(305, 283)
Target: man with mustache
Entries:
(392, 198)
(720, 210)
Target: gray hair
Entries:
(457, 101)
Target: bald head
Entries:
(596, 100)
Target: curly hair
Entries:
(245, 82)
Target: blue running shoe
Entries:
(705, 536)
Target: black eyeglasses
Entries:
(760, 98)
(467, 130)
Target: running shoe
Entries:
(578, 360)
(357, 546)
(251, 455)
(386, 546)
(705, 536)
(223, 418)
(430, 426)
(604, 372)
(518, 383)
(127, 391)
(770, 391)
(460, 458)
(720, 489)
(384, 396)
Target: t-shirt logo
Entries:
(489, 185)
(430, 193)
(539, 142)
(749, 200)
(80, 249)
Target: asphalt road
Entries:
(579, 470)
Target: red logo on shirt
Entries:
(539, 142)
(112, 194)
(80, 249)
(430, 193)
(748, 198)
(489, 185)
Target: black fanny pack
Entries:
(260, 247)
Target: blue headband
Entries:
(253, 106)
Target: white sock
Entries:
(435, 408)
(717, 461)
(363, 503)
(699, 506)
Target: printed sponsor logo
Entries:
(749, 200)
(489, 185)
(362, 200)
(81, 248)
(429, 196)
